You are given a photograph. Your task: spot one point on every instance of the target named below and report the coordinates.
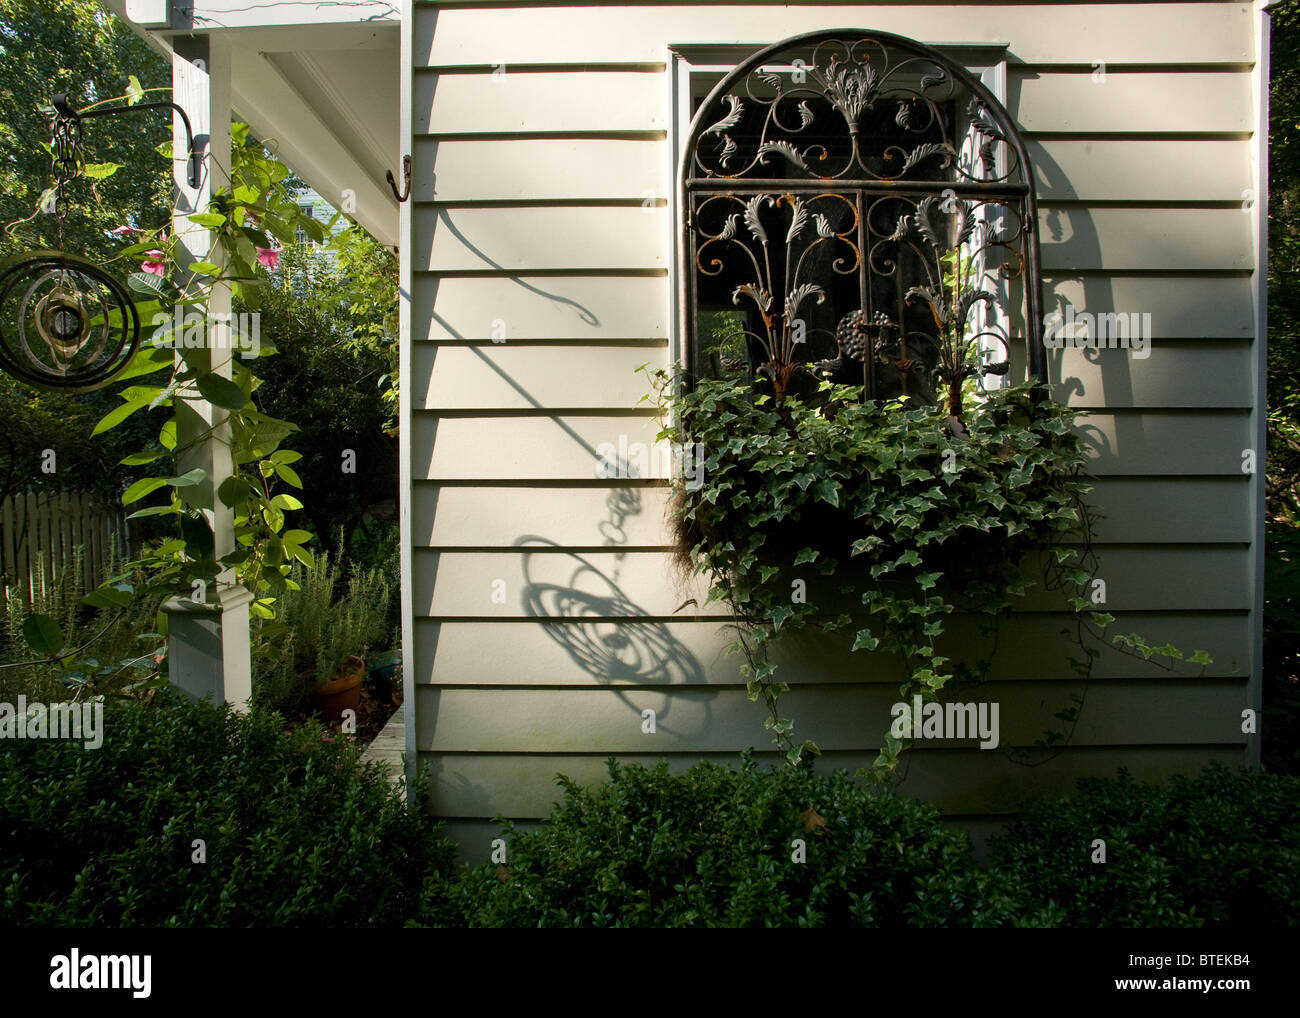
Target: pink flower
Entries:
(327, 737)
(153, 263)
(122, 231)
(268, 258)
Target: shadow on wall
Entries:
(604, 632)
(1069, 244)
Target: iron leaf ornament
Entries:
(860, 207)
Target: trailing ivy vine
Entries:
(885, 520)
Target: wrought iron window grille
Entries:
(859, 206)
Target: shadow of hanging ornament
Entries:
(66, 324)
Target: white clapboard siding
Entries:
(539, 102)
(480, 35)
(540, 308)
(1178, 442)
(538, 580)
(536, 448)
(516, 376)
(677, 653)
(1141, 169)
(548, 607)
(521, 377)
(632, 514)
(1097, 101)
(526, 169)
(633, 169)
(632, 238)
(845, 717)
(569, 446)
(1168, 374)
(611, 100)
(957, 781)
(1138, 239)
(531, 239)
(1181, 307)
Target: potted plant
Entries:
(320, 640)
(354, 623)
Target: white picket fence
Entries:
(40, 533)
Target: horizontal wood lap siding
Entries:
(542, 242)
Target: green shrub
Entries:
(297, 831)
(713, 847)
(1221, 849)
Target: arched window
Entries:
(859, 206)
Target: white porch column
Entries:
(208, 638)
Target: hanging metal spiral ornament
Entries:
(65, 323)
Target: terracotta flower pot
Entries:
(341, 693)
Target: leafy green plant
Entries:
(841, 513)
(318, 627)
(295, 830)
(731, 847)
(891, 521)
(1218, 849)
(243, 218)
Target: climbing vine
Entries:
(173, 368)
(885, 520)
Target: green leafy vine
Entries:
(246, 220)
(883, 520)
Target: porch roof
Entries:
(321, 81)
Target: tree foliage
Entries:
(76, 47)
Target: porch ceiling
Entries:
(327, 94)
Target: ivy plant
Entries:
(883, 519)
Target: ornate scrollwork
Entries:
(885, 235)
(815, 118)
(781, 251)
(65, 323)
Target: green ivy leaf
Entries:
(865, 640)
(827, 491)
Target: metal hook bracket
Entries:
(66, 112)
(405, 193)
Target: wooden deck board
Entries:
(389, 745)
